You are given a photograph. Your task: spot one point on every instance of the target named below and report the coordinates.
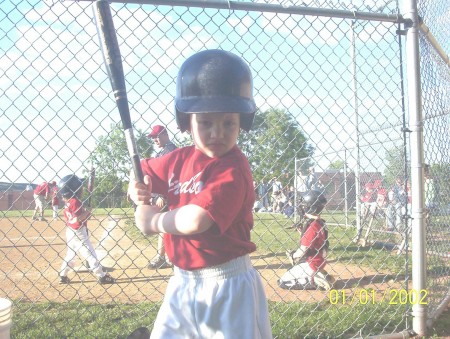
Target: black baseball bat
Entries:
(113, 61)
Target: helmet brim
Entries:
(215, 104)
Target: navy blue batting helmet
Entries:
(214, 81)
(70, 186)
(313, 202)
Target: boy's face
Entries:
(214, 134)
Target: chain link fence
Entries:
(435, 88)
(330, 83)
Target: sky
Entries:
(57, 98)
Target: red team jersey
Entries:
(42, 189)
(223, 187)
(72, 209)
(314, 238)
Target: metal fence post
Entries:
(417, 187)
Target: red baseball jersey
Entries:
(314, 238)
(42, 189)
(72, 209)
(223, 187)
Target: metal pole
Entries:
(296, 183)
(261, 7)
(345, 189)
(407, 216)
(433, 42)
(356, 122)
(419, 311)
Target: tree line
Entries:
(275, 140)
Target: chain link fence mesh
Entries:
(435, 89)
(331, 116)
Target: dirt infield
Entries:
(31, 253)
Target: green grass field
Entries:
(289, 319)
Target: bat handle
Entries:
(137, 169)
(132, 151)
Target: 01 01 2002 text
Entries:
(372, 296)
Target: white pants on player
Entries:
(300, 274)
(39, 200)
(55, 211)
(225, 301)
(78, 242)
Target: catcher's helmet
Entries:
(214, 81)
(313, 202)
(70, 186)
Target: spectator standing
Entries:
(301, 182)
(404, 233)
(368, 206)
(160, 137)
(311, 179)
(429, 189)
(368, 201)
(288, 209)
(256, 188)
(277, 190)
(396, 208)
(257, 205)
(263, 191)
(41, 194)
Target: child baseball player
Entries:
(309, 259)
(71, 189)
(41, 194)
(215, 291)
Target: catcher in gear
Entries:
(309, 259)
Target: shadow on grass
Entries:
(365, 281)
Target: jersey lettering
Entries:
(70, 217)
(192, 185)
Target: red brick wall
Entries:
(16, 200)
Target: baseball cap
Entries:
(156, 130)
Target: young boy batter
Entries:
(215, 291)
(76, 232)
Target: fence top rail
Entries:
(432, 40)
(259, 7)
